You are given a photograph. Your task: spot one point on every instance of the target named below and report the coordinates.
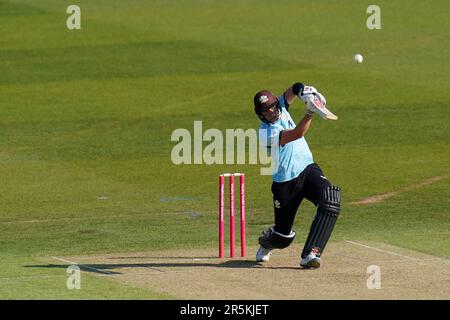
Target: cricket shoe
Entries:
(263, 254)
(311, 261)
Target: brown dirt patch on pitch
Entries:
(198, 274)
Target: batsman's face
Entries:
(272, 113)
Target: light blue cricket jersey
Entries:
(294, 156)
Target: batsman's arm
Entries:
(299, 131)
(293, 92)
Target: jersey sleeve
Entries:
(283, 103)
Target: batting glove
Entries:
(307, 93)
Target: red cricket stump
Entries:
(242, 210)
(232, 212)
(221, 215)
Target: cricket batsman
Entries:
(296, 176)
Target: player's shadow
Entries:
(108, 268)
(225, 264)
(159, 257)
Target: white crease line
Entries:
(29, 278)
(143, 215)
(84, 266)
(90, 218)
(381, 197)
(381, 250)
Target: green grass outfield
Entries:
(86, 118)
